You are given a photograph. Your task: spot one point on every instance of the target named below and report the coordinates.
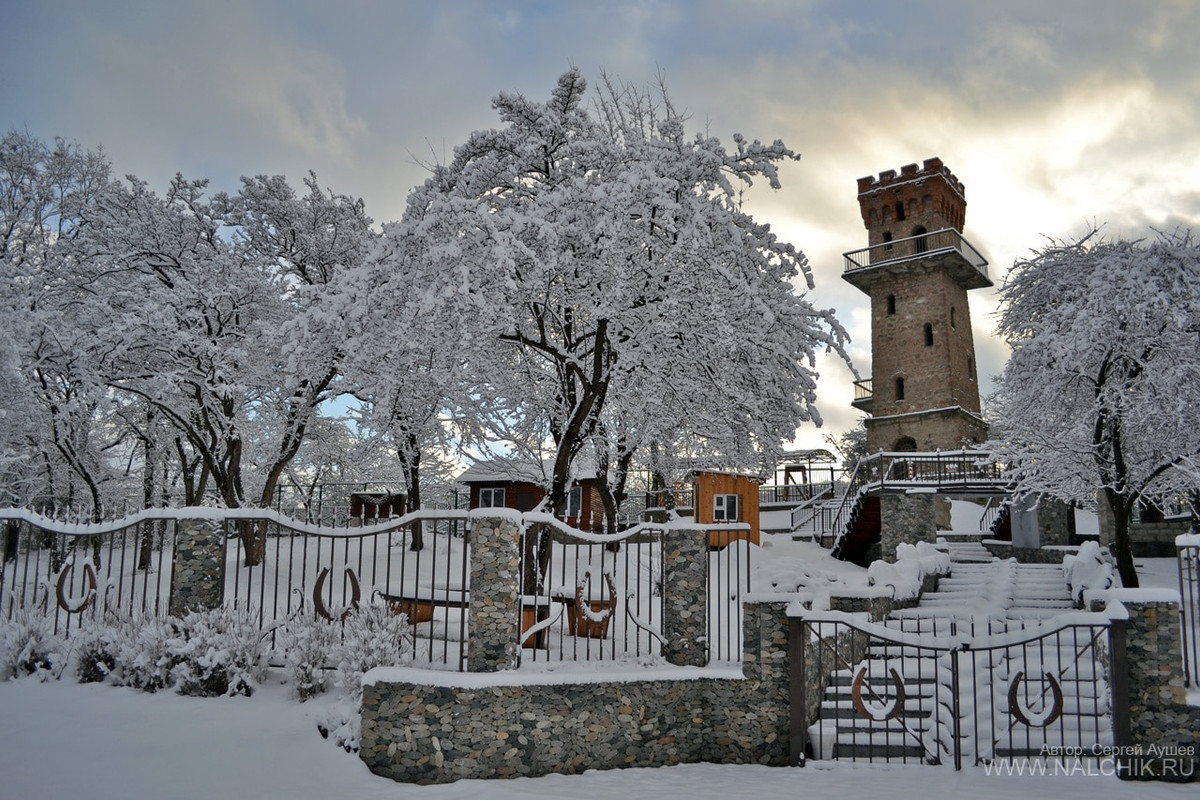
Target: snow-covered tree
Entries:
(1102, 392)
(604, 287)
(55, 422)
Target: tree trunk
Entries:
(411, 462)
(1122, 544)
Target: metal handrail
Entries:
(919, 246)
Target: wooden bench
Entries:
(419, 602)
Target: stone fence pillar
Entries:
(1157, 733)
(494, 610)
(198, 566)
(685, 597)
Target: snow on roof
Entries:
(506, 470)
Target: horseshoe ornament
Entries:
(897, 706)
(319, 604)
(582, 604)
(66, 603)
(1023, 714)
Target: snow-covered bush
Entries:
(97, 652)
(1087, 570)
(29, 646)
(371, 637)
(908, 573)
(309, 642)
(217, 652)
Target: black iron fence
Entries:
(598, 598)
(1188, 560)
(928, 691)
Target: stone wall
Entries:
(198, 567)
(1148, 539)
(685, 597)
(905, 518)
(1159, 737)
(428, 727)
(1028, 555)
(494, 614)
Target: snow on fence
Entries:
(588, 597)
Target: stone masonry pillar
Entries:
(197, 567)
(907, 518)
(494, 611)
(685, 597)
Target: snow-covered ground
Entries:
(62, 739)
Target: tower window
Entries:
(899, 389)
(891, 304)
(928, 335)
(899, 211)
(952, 316)
(887, 240)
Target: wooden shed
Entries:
(726, 497)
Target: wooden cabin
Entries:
(726, 497)
(520, 486)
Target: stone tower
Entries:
(917, 270)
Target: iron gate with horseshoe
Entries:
(937, 691)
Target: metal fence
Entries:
(1188, 560)
(928, 691)
(72, 573)
(597, 598)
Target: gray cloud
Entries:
(1052, 114)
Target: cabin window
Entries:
(891, 304)
(491, 497)
(928, 335)
(725, 508)
(899, 389)
(575, 502)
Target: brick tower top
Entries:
(914, 202)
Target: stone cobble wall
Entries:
(494, 618)
(1147, 539)
(426, 733)
(198, 568)
(685, 597)
(1164, 732)
(907, 518)
(1028, 555)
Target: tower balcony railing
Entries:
(863, 395)
(946, 240)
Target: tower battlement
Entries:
(930, 196)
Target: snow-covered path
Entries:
(64, 740)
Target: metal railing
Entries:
(940, 471)
(923, 245)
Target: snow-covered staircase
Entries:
(995, 609)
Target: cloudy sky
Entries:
(1053, 113)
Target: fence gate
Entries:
(937, 691)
